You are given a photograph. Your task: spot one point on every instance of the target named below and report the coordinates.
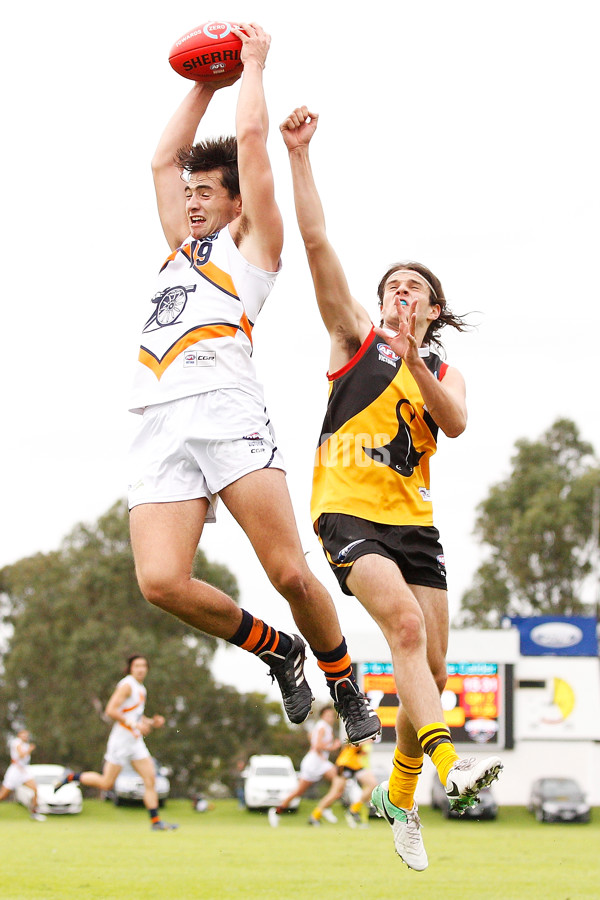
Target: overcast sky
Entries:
(463, 135)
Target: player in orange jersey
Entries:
(389, 395)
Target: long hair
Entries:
(213, 153)
(436, 297)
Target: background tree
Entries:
(73, 616)
(537, 528)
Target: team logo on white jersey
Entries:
(170, 303)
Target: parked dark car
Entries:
(558, 800)
(485, 808)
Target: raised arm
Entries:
(179, 132)
(258, 232)
(346, 320)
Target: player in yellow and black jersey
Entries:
(389, 394)
(352, 765)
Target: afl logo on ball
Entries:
(217, 30)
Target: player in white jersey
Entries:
(126, 741)
(204, 430)
(314, 766)
(18, 772)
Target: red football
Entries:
(207, 52)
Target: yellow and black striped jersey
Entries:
(351, 757)
(377, 439)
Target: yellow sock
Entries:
(435, 741)
(403, 780)
(316, 813)
(356, 807)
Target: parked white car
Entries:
(268, 780)
(67, 799)
(129, 786)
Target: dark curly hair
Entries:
(213, 153)
(436, 297)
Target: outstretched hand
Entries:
(255, 42)
(297, 130)
(403, 341)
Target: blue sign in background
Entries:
(557, 635)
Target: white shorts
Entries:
(196, 446)
(123, 747)
(313, 766)
(15, 776)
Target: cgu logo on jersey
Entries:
(199, 358)
(255, 442)
(387, 355)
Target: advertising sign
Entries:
(557, 635)
(558, 699)
(477, 701)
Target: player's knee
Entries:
(292, 581)
(158, 589)
(408, 632)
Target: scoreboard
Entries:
(477, 701)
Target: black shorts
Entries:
(345, 772)
(415, 549)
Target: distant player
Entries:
(126, 741)
(19, 773)
(314, 766)
(351, 763)
(389, 395)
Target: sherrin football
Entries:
(207, 52)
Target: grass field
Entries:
(110, 853)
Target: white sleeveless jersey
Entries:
(198, 334)
(134, 705)
(15, 746)
(321, 732)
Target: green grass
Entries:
(111, 854)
